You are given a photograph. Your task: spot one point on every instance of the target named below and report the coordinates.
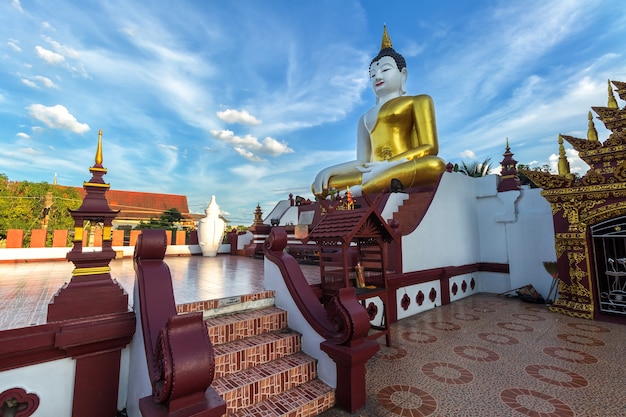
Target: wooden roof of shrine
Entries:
(344, 226)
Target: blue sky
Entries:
(248, 100)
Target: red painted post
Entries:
(180, 237)
(134, 234)
(118, 238)
(38, 238)
(59, 239)
(15, 238)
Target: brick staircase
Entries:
(260, 369)
(410, 214)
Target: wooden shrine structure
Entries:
(353, 252)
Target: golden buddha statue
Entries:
(396, 139)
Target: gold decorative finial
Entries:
(612, 103)
(99, 150)
(563, 163)
(592, 133)
(386, 43)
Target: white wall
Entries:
(448, 233)
(52, 382)
(273, 280)
(469, 221)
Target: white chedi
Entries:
(211, 229)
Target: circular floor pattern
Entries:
(484, 310)
(476, 353)
(515, 327)
(447, 373)
(418, 337)
(498, 338)
(535, 404)
(557, 376)
(496, 303)
(537, 309)
(529, 317)
(405, 400)
(579, 339)
(570, 355)
(466, 317)
(445, 326)
(392, 353)
(592, 328)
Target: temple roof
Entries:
(343, 226)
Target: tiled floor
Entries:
(480, 356)
(493, 356)
(27, 288)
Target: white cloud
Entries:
(64, 50)
(22, 135)
(49, 56)
(275, 148)
(237, 116)
(57, 117)
(29, 83)
(47, 26)
(13, 44)
(45, 81)
(247, 154)
(468, 154)
(17, 5)
(248, 145)
(29, 151)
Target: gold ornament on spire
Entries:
(563, 163)
(99, 150)
(612, 103)
(386, 43)
(592, 133)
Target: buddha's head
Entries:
(390, 67)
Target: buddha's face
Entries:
(386, 78)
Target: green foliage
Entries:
(22, 205)
(476, 169)
(171, 216)
(166, 221)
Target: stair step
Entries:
(310, 399)
(229, 327)
(253, 385)
(247, 353)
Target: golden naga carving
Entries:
(396, 139)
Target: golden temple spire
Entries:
(563, 163)
(612, 103)
(386, 43)
(592, 133)
(99, 150)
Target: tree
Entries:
(23, 205)
(166, 220)
(476, 169)
(171, 216)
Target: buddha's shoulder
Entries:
(421, 98)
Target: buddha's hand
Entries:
(372, 170)
(321, 180)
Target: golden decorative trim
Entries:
(95, 184)
(96, 270)
(570, 313)
(98, 169)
